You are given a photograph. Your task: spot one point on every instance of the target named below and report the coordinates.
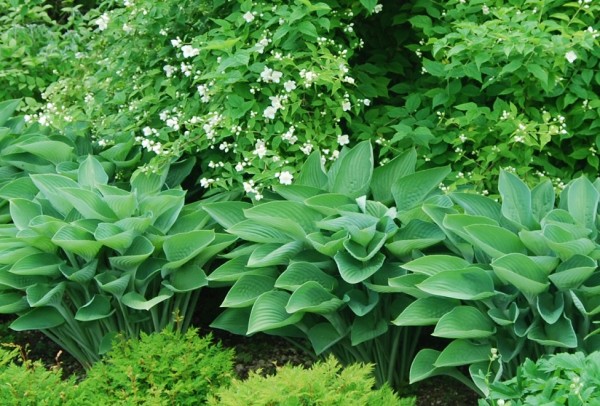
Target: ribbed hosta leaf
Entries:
(535, 242)
(312, 297)
(328, 245)
(185, 279)
(312, 173)
(504, 317)
(516, 200)
(463, 352)
(349, 221)
(329, 203)
(91, 173)
(295, 192)
(12, 303)
(99, 307)
(165, 208)
(51, 186)
(42, 264)
(550, 306)
(78, 241)
(79, 275)
(138, 252)
(148, 182)
(478, 205)
(323, 336)
(217, 245)
(247, 288)
(269, 312)
(411, 190)
(251, 230)
(542, 199)
(465, 284)
(582, 202)
(274, 254)
(19, 188)
(233, 320)
(562, 241)
(494, 241)
(457, 223)
(384, 177)
(297, 273)
(560, 334)
(573, 272)
(136, 301)
(113, 282)
(425, 311)
(89, 204)
(22, 211)
(227, 213)
(40, 318)
(433, 264)
(422, 366)
(522, 272)
(354, 271)
(367, 328)
(354, 171)
(40, 295)
(415, 236)
(293, 218)
(114, 237)
(408, 284)
(464, 322)
(181, 248)
(121, 202)
(361, 303)
(365, 252)
(234, 269)
(137, 224)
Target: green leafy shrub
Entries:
(564, 379)
(520, 280)
(23, 382)
(325, 383)
(83, 259)
(316, 259)
(164, 368)
(250, 88)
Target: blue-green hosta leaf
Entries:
(165, 208)
(516, 200)
(550, 306)
(274, 254)
(22, 211)
(425, 311)
(354, 271)
(434, 264)
(12, 303)
(367, 328)
(408, 284)
(323, 336)
(78, 241)
(115, 283)
(247, 289)
(384, 177)
(148, 182)
(52, 151)
(494, 241)
(233, 320)
(478, 205)
(542, 199)
(422, 366)
(137, 224)
(463, 352)
(268, 312)
(40, 318)
(99, 307)
(121, 202)
(182, 248)
(416, 235)
(347, 221)
(79, 275)
(41, 294)
(364, 253)
(361, 303)
(504, 317)
(329, 204)
(7, 108)
(20, 282)
(560, 334)
(410, 191)
(227, 213)
(255, 231)
(137, 301)
(42, 264)
(91, 173)
(19, 188)
(573, 272)
(292, 218)
(565, 244)
(582, 202)
(297, 273)
(312, 297)
(220, 242)
(354, 171)
(522, 272)
(51, 185)
(296, 193)
(456, 223)
(464, 322)
(46, 225)
(114, 237)
(190, 220)
(185, 279)
(535, 242)
(312, 173)
(139, 250)
(465, 284)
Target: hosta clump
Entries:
(315, 260)
(522, 279)
(83, 259)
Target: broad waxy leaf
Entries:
(354, 172)
(139, 250)
(182, 248)
(550, 306)
(40, 318)
(20, 188)
(246, 289)
(478, 205)
(296, 193)
(312, 173)
(415, 236)
(297, 273)
(235, 268)
(79, 275)
(411, 190)
(78, 241)
(465, 284)
(323, 336)
(542, 199)
(494, 241)
(312, 297)
(113, 282)
(91, 173)
(185, 279)
(99, 307)
(364, 253)
(354, 271)
(49, 150)
(425, 311)
(251, 230)
(433, 264)
(233, 320)
(522, 272)
(582, 202)
(12, 303)
(268, 312)
(464, 322)
(22, 211)
(40, 295)
(367, 328)
(463, 352)
(361, 303)
(329, 203)
(565, 244)
(516, 200)
(573, 272)
(328, 245)
(560, 334)
(504, 317)
(384, 177)
(148, 182)
(136, 301)
(51, 186)
(114, 237)
(290, 217)
(408, 284)
(274, 254)
(42, 264)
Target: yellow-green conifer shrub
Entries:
(23, 382)
(163, 368)
(326, 383)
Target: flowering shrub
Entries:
(251, 88)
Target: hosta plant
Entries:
(83, 259)
(316, 259)
(521, 280)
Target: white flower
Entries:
(276, 102)
(285, 178)
(270, 75)
(147, 131)
(249, 17)
(189, 51)
(343, 139)
(377, 8)
(276, 76)
(260, 149)
(102, 22)
(571, 56)
(239, 167)
(289, 85)
(270, 112)
(346, 106)
(485, 9)
(176, 42)
(169, 70)
(127, 28)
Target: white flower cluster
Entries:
(171, 119)
(269, 75)
(250, 188)
(289, 136)
(308, 76)
(276, 105)
(102, 22)
(260, 149)
(285, 177)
